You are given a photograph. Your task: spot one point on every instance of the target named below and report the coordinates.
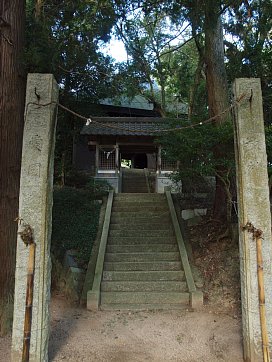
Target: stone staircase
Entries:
(142, 265)
(134, 181)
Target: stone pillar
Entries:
(96, 158)
(117, 157)
(159, 162)
(254, 207)
(35, 208)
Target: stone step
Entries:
(144, 298)
(142, 257)
(132, 204)
(136, 240)
(156, 275)
(141, 213)
(133, 227)
(140, 173)
(142, 248)
(138, 220)
(134, 182)
(143, 286)
(144, 307)
(134, 179)
(137, 184)
(142, 266)
(140, 176)
(139, 197)
(136, 190)
(140, 208)
(138, 232)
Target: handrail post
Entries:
(93, 296)
(196, 297)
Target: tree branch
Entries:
(179, 46)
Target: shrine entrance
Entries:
(113, 144)
(140, 160)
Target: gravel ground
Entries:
(80, 335)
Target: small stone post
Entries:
(117, 151)
(254, 207)
(35, 208)
(96, 158)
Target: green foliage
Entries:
(201, 150)
(185, 80)
(75, 221)
(148, 38)
(77, 179)
(249, 52)
(65, 40)
(99, 188)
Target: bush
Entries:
(98, 188)
(75, 222)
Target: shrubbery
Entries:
(75, 221)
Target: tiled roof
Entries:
(124, 126)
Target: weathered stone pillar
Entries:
(35, 208)
(159, 161)
(117, 157)
(254, 207)
(97, 158)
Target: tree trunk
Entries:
(12, 96)
(217, 86)
(38, 9)
(193, 89)
(217, 89)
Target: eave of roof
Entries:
(124, 126)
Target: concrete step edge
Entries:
(141, 227)
(143, 257)
(144, 297)
(155, 275)
(143, 266)
(144, 286)
(134, 248)
(140, 240)
(143, 307)
(140, 233)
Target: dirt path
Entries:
(79, 335)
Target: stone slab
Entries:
(187, 214)
(254, 207)
(35, 208)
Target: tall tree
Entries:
(67, 43)
(150, 37)
(12, 95)
(217, 90)
(216, 76)
(204, 21)
(249, 25)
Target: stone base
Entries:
(165, 183)
(93, 300)
(196, 299)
